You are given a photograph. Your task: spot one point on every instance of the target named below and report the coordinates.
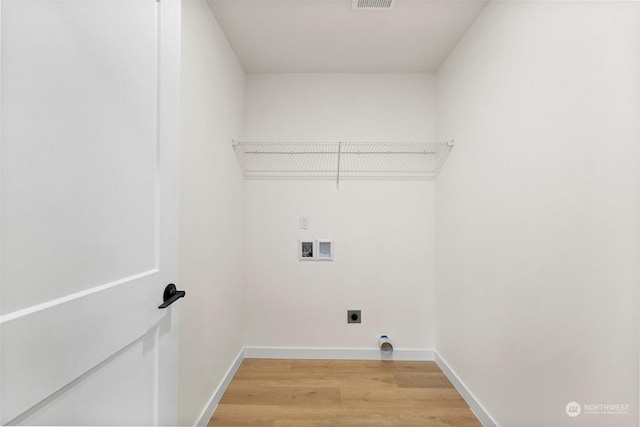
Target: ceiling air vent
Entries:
(373, 4)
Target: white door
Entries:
(89, 156)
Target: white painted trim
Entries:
(473, 403)
(335, 353)
(208, 411)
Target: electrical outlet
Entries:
(354, 316)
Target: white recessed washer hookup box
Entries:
(315, 250)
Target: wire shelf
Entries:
(341, 160)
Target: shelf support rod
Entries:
(338, 170)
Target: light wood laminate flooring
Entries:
(305, 393)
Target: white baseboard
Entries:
(473, 403)
(208, 411)
(334, 353)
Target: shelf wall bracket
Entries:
(338, 168)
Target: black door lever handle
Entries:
(171, 295)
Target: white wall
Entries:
(211, 210)
(537, 211)
(383, 231)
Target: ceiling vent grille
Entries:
(373, 4)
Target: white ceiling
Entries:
(327, 36)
